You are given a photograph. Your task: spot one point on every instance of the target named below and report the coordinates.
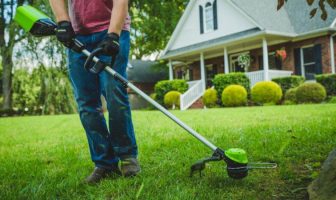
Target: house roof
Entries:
(294, 17)
(213, 42)
(292, 20)
(146, 71)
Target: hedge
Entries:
(310, 93)
(329, 83)
(291, 95)
(266, 92)
(221, 81)
(162, 87)
(234, 95)
(210, 98)
(289, 82)
(172, 99)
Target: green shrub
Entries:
(234, 95)
(329, 83)
(162, 87)
(291, 95)
(266, 92)
(289, 82)
(332, 100)
(210, 98)
(310, 93)
(221, 81)
(153, 96)
(172, 99)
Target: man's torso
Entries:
(88, 16)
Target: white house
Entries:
(213, 34)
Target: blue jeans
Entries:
(107, 145)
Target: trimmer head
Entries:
(235, 159)
(34, 21)
(237, 165)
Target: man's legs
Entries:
(87, 92)
(106, 147)
(120, 120)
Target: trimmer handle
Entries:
(99, 65)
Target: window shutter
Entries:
(318, 59)
(297, 61)
(201, 19)
(261, 62)
(214, 6)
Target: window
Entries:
(308, 62)
(211, 71)
(209, 17)
(184, 73)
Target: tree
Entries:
(321, 6)
(153, 22)
(10, 35)
(42, 91)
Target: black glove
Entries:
(65, 33)
(110, 44)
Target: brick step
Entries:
(197, 104)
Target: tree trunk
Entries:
(7, 66)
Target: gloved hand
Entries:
(65, 33)
(110, 45)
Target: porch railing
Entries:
(255, 77)
(258, 76)
(279, 73)
(194, 92)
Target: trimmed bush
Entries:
(329, 83)
(172, 99)
(210, 98)
(266, 92)
(234, 95)
(310, 93)
(291, 95)
(221, 81)
(162, 87)
(289, 82)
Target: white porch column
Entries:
(171, 72)
(203, 79)
(265, 56)
(332, 54)
(226, 61)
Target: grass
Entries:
(47, 157)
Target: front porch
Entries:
(200, 70)
(210, 63)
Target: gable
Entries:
(229, 21)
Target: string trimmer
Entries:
(237, 166)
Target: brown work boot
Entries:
(130, 167)
(99, 174)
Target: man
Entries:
(100, 24)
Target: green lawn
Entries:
(47, 157)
